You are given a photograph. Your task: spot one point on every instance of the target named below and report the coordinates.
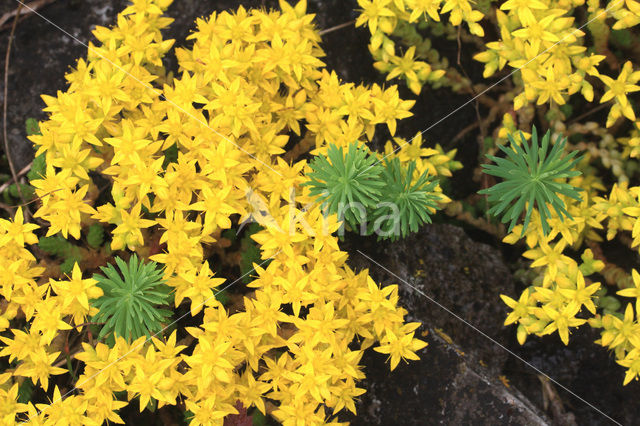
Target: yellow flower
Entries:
(146, 177)
(198, 286)
(279, 237)
(128, 232)
(21, 346)
(38, 366)
(520, 307)
(623, 331)
(389, 107)
(77, 160)
(562, 320)
(400, 348)
(552, 87)
(632, 362)
(581, 295)
(68, 410)
(129, 145)
(48, 319)
(214, 202)
(372, 12)
(524, 9)
(408, 67)
(633, 292)
(252, 390)
(551, 257)
(10, 406)
(51, 183)
(64, 212)
(17, 230)
(414, 150)
(75, 294)
(618, 89)
(421, 8)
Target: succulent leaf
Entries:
(531, 179)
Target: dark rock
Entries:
(451, 284)
(463, 276)
(442, 388)
(452, 383)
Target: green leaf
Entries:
(170, 156)
(621, 37)
(95, 235)
(66, 267)
(405, 202)
(55, 245)
(28, 191)
(250, 253)
(343, 180)
(32, 127)
(532, 177)
(131, 305)
(38, 167)
(222, 296)
(257, 418)
(25, 391)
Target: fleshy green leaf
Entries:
(131, 305)
(533, 178)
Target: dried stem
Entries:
(24, 170)
(336, 28)
(6, 94)
(31, 7)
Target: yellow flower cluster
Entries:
(391, 19)
(249, 79)
(561, 290)
(35, 350)
(626, 13)
(539, 38)
(544, 40)
(434, 161)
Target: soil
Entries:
(472, 371)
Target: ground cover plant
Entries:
(546, 42)
(153, 192)
(185, 159)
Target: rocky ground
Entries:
(472, 371)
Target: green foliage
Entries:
(250, 253)
(343, 180)
(38, 168)
(32, 127)
(222, 296)
(170, 156)
(56, 245)
(621, 37)
(130, 305)
(66, 267)
(392, 200)
(25, 391)
(28, 191)
(531, 178)
(95, 235)
(258, 418)
(39, 165)
(405, 201)
(187, 417)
